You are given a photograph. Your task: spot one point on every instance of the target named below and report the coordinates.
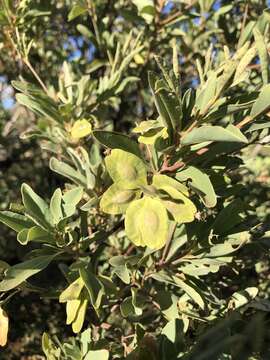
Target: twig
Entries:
(245, 121)
(161, 4)
(176, 14)
(177, 165)
(33, 71)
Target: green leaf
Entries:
(89, 204)
(15, 221)
(123, 273)
(49, 348)
(146, 223)
(179, 239)
(217, 251)
(243, 64)
(222, 10)
(109, 285)
(205, 5)
(173, 107)
(146, 9)
(182, 209)
(246, 33)
(163, 181)
(37, 234)
(36, 207)
(114, 140)
(206, 93)
(191, 291)
(80, 129)
(200, 183)
(262, 104)
(71, 199)
(188, 102)
(56, 206)
(145, 126)
(67, 171)
(127, 308)
(263, 54)
(150, 131)
(115, 200)
(37, 101)
(126, 168)
(22, 236)
(120, 268)
(151, 136)
(214, 133)
(97, 355)
(158, 88)
(173, 330)
(241, 298)
(189, 288)
(94, 286)
(258, 126)
(79, 320)
(224, 81)
(17, 274)
(73, 196)
(137, 302)
(72, 292)
(229, 217)
(76, 11)
(72, 308)
(168, 303)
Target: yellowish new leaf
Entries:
(72, 292)
(162, 181)
(80, 129)
(78, 322)
(115, 200)
(3, 327)
(72, 307)
(126, 168)
(146, 223)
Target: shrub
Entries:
(154, 226)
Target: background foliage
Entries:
(178, 89)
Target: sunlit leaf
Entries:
(161, 181)
(17, 274)
(15, 221)
(3, 327)
(262, 104)
(80, 129)
(76, 11)
(72, 292)
(114, 140)
(199, 182)
(94, 286)
(126, 168)
(146, 223)
(72, 307)
(115, 200)
(36, 207)
(77, 324)
(213, 133)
